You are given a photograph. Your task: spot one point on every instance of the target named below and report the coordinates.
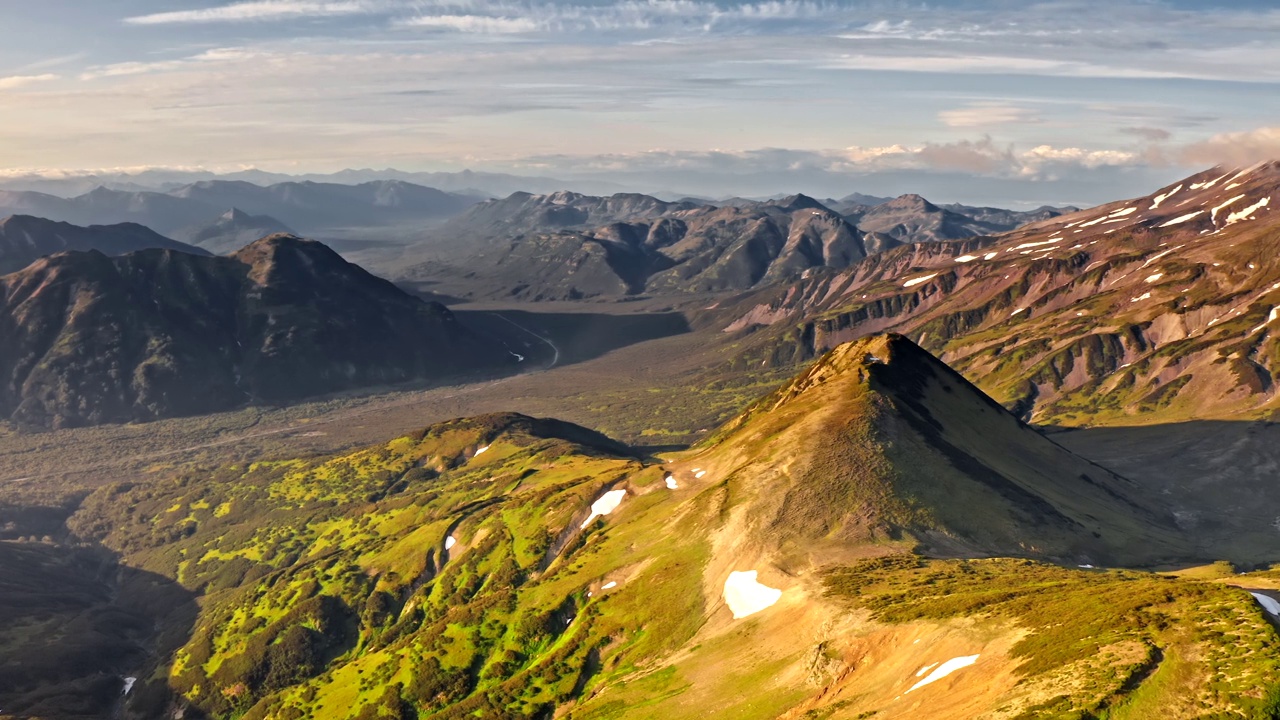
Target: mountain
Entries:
(1158, 308)
(306, 206)
(828, 553)
(232, 230)
(569, 246)
(24, 239)
(911, 219)
(310, 205)
(87, 339)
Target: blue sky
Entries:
(1055, 101)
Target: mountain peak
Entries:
(911, 201)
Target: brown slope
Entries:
(1160, 307)
(880, 443)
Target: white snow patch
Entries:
(1153, 278)
(1184, 218)
(916, 281)
(1244, 214)
(946, 669)
(1164, 196)
(1213, 214)
(966, 258)
(449, 542)
(990, 256)
(1015, 312)
(1275, 315)
(925, 669)
(1268, 603)
(481, 450)
(671, 482)
(129, 681)
(605, 505)
(698, 475)
(745, 596)
(1143, 296)
(1050, 241)
(519, 358)
(609, 585)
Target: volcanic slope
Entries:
(87, 339)
(1154, 309)
(25, 239)
(503, 567)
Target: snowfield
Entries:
(745, 596)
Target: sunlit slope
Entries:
(1153, 309)
(506, 567)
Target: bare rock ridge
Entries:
(87, 339)
(1165, 305)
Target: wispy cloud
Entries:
(987, 115)
(475, 24)
(256, 10)
(17, 81)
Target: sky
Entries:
(1006, 102)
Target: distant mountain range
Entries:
(25, 239)
(1165, 305)
(466, 182)
(232, 230)
(305, 206)
(87, 339)
(566, 245)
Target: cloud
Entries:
(216, 55)
(255, 10)
(1150, 134)
(986, 115)
(475, 24)
(17, 81)
(1236, 149)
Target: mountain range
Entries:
(567, 245)
(87, 339)
(1161, 306)
(306, 206)
(25, 239)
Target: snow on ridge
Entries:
(1050, 241)
(1267, 602)
(966, 258)
(916, 281)
(946, 669)
(990, 256)
(1244, 214)
(1155, 277)
(1140, 298)
(1164, 196)
(745, 596)
(1184, 218)
(1214, 214)
(605, 505)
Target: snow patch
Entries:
(449, 542)
(605, 505)
(925, 669)
(1143, 296)
(966, 258)
(671, 483)
(745, 596)
(1184, 218)
(946, 669)
(609, 585)
(916, 281)
(1244, 214)
(1050, 241)
(481, 450)
(990, 256)
(1268, 603)
(698, 475)
(1165, 196)
(129, 681)
(1153, 278)
(1213, 214)
(1015, 312)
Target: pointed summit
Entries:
(880, 442)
